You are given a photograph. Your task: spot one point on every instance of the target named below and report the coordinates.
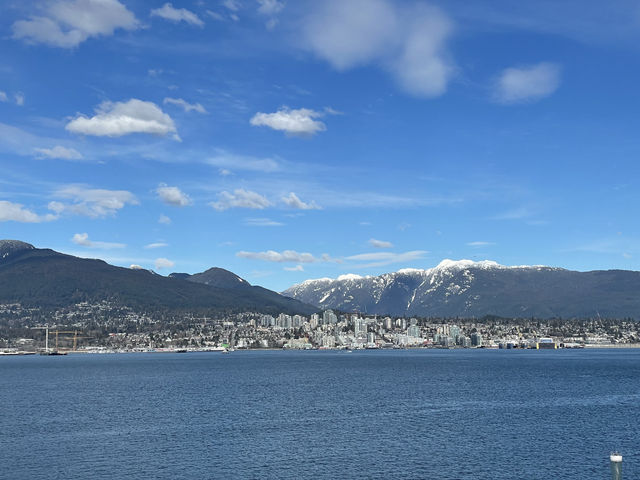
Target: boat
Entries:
(53, 352)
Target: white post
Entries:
(616, 466)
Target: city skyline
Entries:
(292, 140)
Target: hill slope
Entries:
(48, 279)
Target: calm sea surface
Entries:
(374, 414)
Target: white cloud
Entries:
(297, 268)
(300, 122)
(185, 105)
(161, 263)
(233, 5)
(173, 196)
(164, 220)
(408, 40)
(168, 12)
(380, 243)
(514, 214)
(529, 83)
(19, 97)
(226, 160)
(293, 201)
(90, 202)
(380, 259)
(59, 152)
(3, 97)
(66, 24)
(156, 245)
(83, 240)
(269, 7)
(114, 119)
(240, 198)
(15, 212)
(215, 15)
(262, 222)
(287, 256)
(480, 244)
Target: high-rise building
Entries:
(328, 317)
(413, 331)
(454, 332)
(360, 327)
(476, 339)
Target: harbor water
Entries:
(432, 414)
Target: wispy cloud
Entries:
(59, 152)
(164, 220)
(287, 256)
(380, 243)
(379, 259)
(293, 201)
(480, 244)
(83, 240)
(270, 9)
(230, 161)
(527, 84)
(156, 245)
(297, 268)
(91, 202)
(186, 106)
(168, 12)
(514, 214)
(262, 222)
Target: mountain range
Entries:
(473, 289)
(48, 279)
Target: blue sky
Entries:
(291, 140)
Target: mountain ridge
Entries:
(474, 289)
(49, 279)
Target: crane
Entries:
(57, 333)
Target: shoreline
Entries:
(629, 346)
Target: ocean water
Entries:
(430, 414)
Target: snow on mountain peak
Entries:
(349, 276)
(448, 264)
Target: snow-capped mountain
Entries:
(470, 289)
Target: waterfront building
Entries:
(476, 339)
